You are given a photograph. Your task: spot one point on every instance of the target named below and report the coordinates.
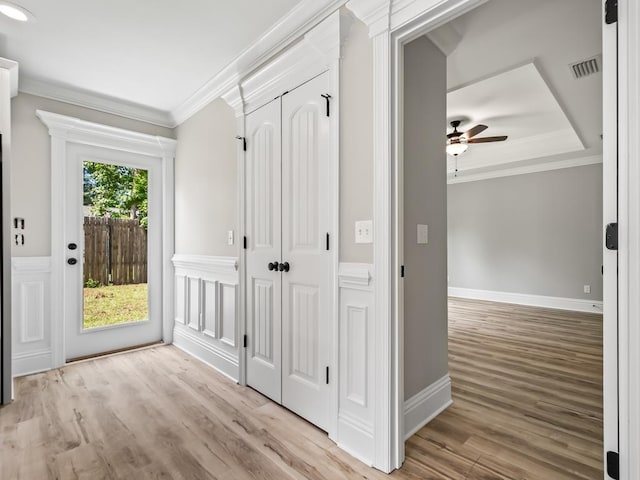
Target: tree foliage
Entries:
(116, 191)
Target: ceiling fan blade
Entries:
(472, 132)
(487, 139)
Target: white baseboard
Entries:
(425, 405)
(575, 304)
(32, 362)
(216, 358)
(356, 438)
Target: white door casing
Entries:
(66, 131)
(79, 341)
(264, 247)
(306, 223)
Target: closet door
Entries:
(305, 224)
(263, 229)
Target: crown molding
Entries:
(90, 133)
(12, 68)
(375, 14)
(290, 28)
(96, 101)
(509, 170)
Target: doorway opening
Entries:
(524, 227)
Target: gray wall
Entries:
(356, 142)
(535, 234)
(206, 164)
(31, 164)
(206, 182)
(425, 202)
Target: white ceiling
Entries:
(150, 53)
(545, 105)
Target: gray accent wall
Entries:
(538, 234)
(31, 163)
(425, 202)
(356, 141)
(206, 182)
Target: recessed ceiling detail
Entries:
(517, 103)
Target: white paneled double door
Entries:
(288, 262)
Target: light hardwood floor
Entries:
(527, 405)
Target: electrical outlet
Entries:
(587, 289)
(364, 231)
(230, 237)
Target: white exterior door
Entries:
(287, 224)
(306, 295)
(264, 250)
(81, 337)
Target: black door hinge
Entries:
(610, 11)
(327, 373)
(402, 271)
(245, 341)
(244, 242)
(613, 465)
(327, 97)
(327, 241)
(611, 236)
(244, 142)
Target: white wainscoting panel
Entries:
(31, 284)
(206, 320)
(426, 405)
(574, 304)
(356, 394)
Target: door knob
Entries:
(72, 246)
(72, 261)
(284, 267)
(272, 266)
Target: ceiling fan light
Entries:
(456, 148)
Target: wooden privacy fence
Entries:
(115, 251)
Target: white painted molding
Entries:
(560, 303)
(314, 54)
(13, 68)
(30, 265)
(217, 358)
(507, 170)
(426, 405)
(96, 101)
(89, 133)
(374, 13)
(354, 275)
(291, 27)
(206, 263)
(31, 362)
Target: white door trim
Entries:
(629, 237)
(64, 130)
(392, 23)
(318, 51)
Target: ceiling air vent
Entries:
(586, 67)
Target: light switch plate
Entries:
(230, 237)
(364, 231)
(423, 234)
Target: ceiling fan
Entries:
(458, 142)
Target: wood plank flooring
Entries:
(527, 405)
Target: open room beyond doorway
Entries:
(524, 216)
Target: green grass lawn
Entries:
(115, 304)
